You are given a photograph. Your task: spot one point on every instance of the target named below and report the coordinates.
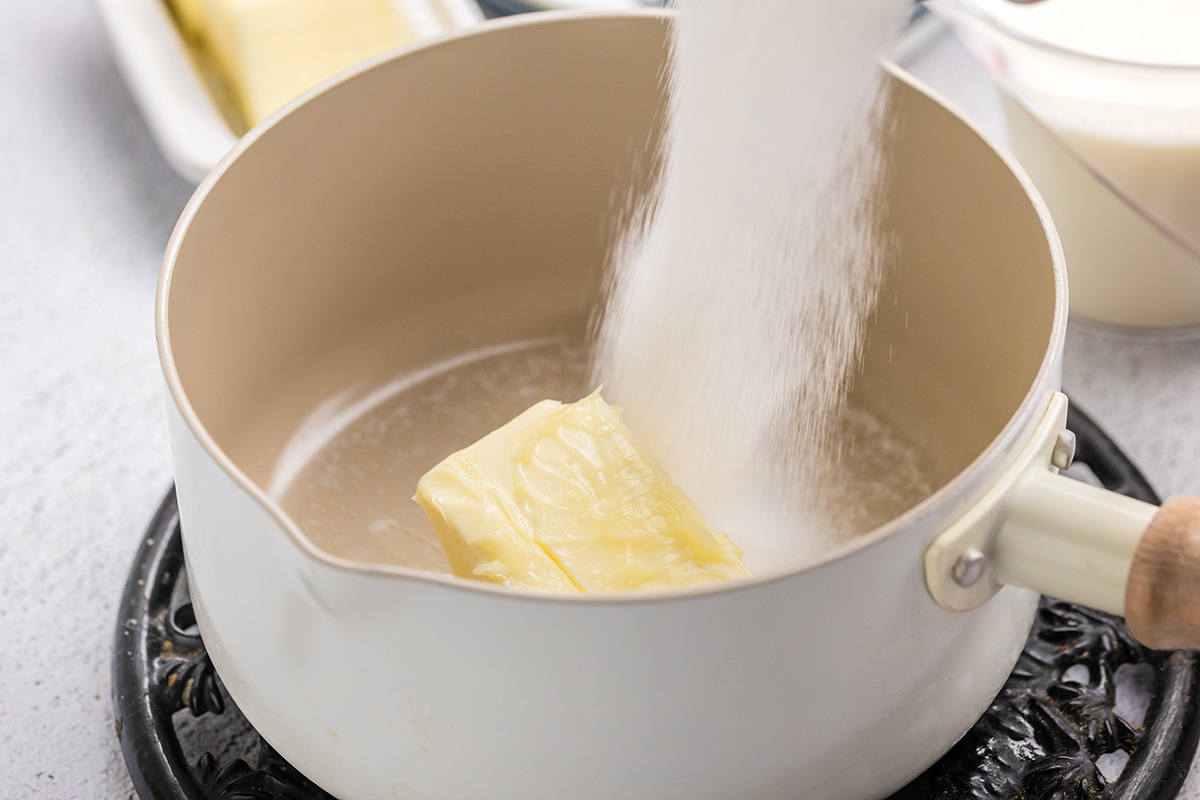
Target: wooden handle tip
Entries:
(1162, 595)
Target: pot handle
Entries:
(1162, 594)
(1040, 530)
(1097, 548)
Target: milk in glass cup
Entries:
(1102, 100)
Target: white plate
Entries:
(183, 117)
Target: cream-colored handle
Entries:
(1162, 593)
(1090, 546)
(1038, 529)
(1068, 539)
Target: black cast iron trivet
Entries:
(1042, 738)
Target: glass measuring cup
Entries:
(1114, 148)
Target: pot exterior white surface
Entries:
(844, 681)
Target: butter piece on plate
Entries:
(270, 51)
(190, 14)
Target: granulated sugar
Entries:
(739, 301)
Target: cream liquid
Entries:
(352, 495)
(1122, 267)
(1147, 31)
(1138, 127)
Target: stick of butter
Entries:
(272, 50)
(564, 499)
(190, 14)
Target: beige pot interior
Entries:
(462, 198)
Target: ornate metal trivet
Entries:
(1054, 732)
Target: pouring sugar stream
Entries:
(736, 319)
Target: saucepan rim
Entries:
(995, 452)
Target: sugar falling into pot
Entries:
(741, 293)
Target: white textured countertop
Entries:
(86, 206)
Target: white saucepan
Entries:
(405, 224)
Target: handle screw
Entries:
(1064, 450)
(969, 568)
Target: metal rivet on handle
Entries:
(969, 568)
(1064, 450)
